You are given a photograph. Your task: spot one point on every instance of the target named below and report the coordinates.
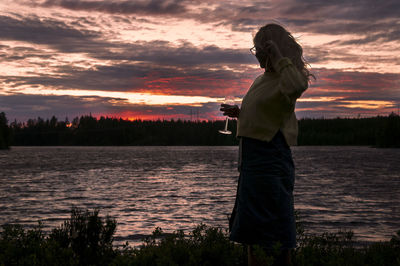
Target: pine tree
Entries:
(4, 132)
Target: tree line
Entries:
(379, 131)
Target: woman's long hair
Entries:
(286, 43)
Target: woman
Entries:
(267, 126)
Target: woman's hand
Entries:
(230, 110)
(273, 52)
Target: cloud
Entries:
(318, 16)
(336, 17)
(351, 88)
(21, 53)
(67, 39)
(83, 50)
(153, 7)
(166, 53)
(50, 32)
(386, 34)
(356, 85)
(355, 92)
(158, 66)
(136, 78)
(25, 106)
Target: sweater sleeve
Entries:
(291, 82)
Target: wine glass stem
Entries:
(226, 123)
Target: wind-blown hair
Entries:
(287, 45)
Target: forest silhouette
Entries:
(379, 131)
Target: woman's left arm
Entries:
(292, 83)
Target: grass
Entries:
(87, 239)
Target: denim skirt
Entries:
(263, 213)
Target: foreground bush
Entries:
(341, 249)
(86, 239)
(203, 246)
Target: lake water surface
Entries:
(350, 188)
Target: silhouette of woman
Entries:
(267, 126)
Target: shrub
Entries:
(86, 239)
(82, 240)
(203, 246)
(87, 236)
(340, 249)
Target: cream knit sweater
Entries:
(269, 104)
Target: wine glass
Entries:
(231, 101)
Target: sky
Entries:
(151, 59)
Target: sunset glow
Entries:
(129, 97)
(368, 104)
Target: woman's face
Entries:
(262, 57)
(260, 54)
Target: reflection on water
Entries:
(353, 188)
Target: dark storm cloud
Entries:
(25, 106)
(67, 39)
(53, 33)
(372, 20)
(8, 53)
(118, 77)
(153, 7)
(136, 77)
(166, 53)
(318, 16)
(349, 87)
(40, 30)
(152, 60)
(381, 37)
(339, 15)
(226, 13)
(362, 10)
(367, 80)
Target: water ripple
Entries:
(174, 188)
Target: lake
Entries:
(348, 188)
